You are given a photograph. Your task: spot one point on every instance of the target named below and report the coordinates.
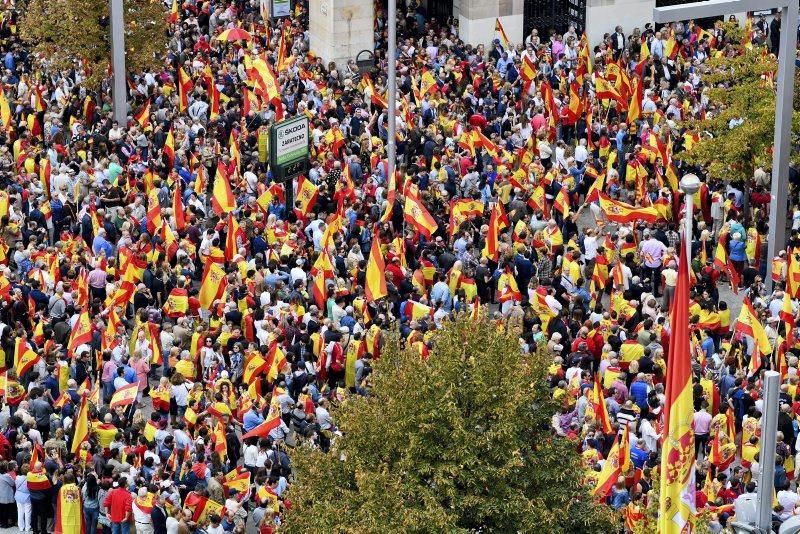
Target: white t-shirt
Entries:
(181, 393)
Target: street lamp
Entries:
(120, 88)
(690, 184)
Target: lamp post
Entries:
(690, 184)
(783, 103)
(391, 142)
(120, 88)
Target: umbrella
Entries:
(235, 34)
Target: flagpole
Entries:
(690, 184)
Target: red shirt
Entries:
(118, 501)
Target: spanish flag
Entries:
(24, 356)
(238, 479)
(620, 212)
(598, 400)
(169, 148)
(786, 314)
(124, 396)
(561, 202)
(81, 333)
(5, 110)
(375, 286)
(81, 426)
(748, 324)
(177, 303)
(149, 431)
(146, 503)
(605, 91)
(38, 481)
(222, 200)
(154, 220)
(677, 506)
(415, 214)
(234, 235)
(219, 410)
(160, 399)
(220, 442)
(201, 507)
(528, 71)
(507, 288)
(307, 194)
(427, 83)
(172, 19)
(491, 249)
(213, 285)
(272, 422)
(414, 311)
(610, 472)
(69, 511)
(254, 366)
(635, 105)
(498, 29)
(143, 115)
(184, 88)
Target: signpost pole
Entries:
(289, 185)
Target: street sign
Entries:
(288, 151)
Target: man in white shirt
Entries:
(581, 154)
(141, 515)
(297, 272)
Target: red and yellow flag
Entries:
(233, 237)
(748, 324)
(81, 333)
(213, 285)
(610, 472)
(620, 212)
(415, 214)
(307, 194)
(124, 396)
(222, 200)
(375, 286)
(498, 29)
(272, 422)
(677, 506)
(24, 356)
(201, 507)
(69, 510)
(177, 303)
(599, 405)
(81, 426)
(143, 115)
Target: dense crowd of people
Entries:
(171, 329)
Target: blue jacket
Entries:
(639, 393)
(737, 250)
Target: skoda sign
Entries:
(288, 155)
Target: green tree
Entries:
(742, 87)
(66, 33)
(457, 443)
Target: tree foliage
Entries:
(457, 443)
(741, 86)
(67, 34)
